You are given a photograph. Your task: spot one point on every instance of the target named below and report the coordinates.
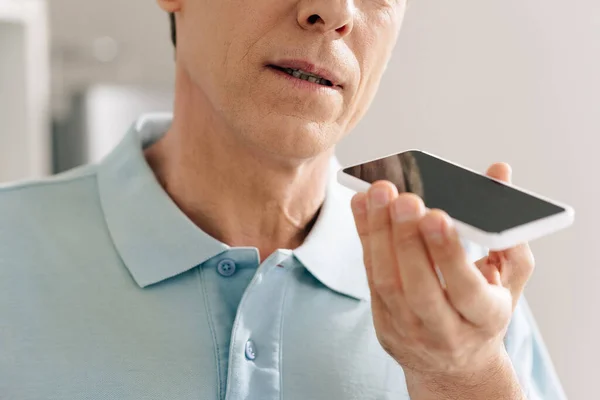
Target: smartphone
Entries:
(486, 211)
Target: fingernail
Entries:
(379, 197)
(406, 209)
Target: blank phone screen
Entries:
(466, 196)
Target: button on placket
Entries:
(226, 267)
(250, 350)
(259, 317)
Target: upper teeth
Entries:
(307, 76)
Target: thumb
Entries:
(501, 171)
(487, 265)
(512, 267)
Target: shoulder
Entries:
(34, 213)
(36, 201)
(12, 190)
(18, 196)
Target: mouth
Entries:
(304, 75)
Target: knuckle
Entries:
(387, 286)
(379, 227)
(363, 231)
(445, 254)
(407, 237)
(379, 221)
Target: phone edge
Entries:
(494, 241)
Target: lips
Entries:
(303, 75)
(306, 68)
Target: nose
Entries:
(335, 17)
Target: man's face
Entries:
(239, 54)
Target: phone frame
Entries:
(491, 240)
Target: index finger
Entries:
(422, 288)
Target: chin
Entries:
(293, 141)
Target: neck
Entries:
(233, 191)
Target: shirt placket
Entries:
(255, 351)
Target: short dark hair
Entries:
(173, 29)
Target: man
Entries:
(211, 255)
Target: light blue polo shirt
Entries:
(108, 291)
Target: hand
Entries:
(455, 331)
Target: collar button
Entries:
(226, 267)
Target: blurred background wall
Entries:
(473, 81)
(108, 42)
(111, 60)
(24, 85)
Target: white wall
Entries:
(13, 108)
(24, 144)
(139, 31)
(518, 81)
(475, 81)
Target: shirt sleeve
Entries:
(530, 357)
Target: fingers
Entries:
(384, 274)
(421, 286)
(359, 210)
(468, 290)
(402, 245)
(513, 268)
(400, 270)
(515, 265)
